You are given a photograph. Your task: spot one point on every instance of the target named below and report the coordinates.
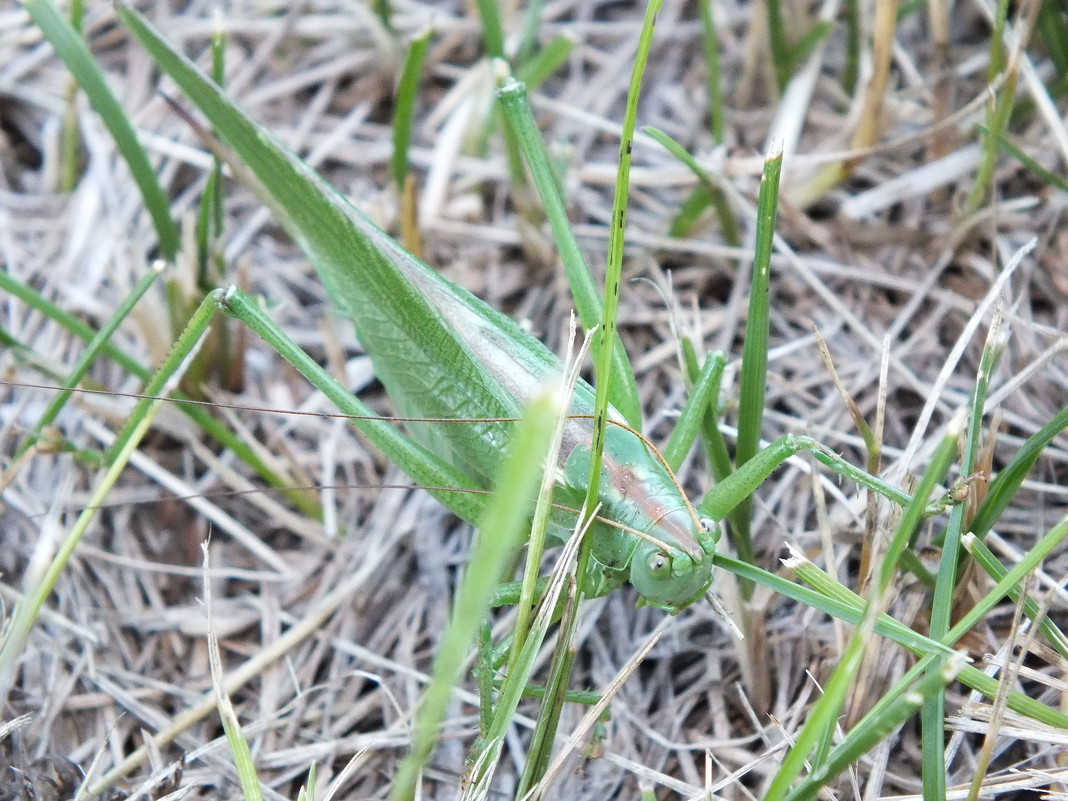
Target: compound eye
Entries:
(707, 523)
(659, 564)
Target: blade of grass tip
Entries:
(384, 11)
(140, 421)
(208, 424)
(933, 716)
(513, 99)
(818, 730)
(710, 40)
(404, 106)
(71, 48)
(500, 531)
(240, 753)
(307, 790)
(92, 350)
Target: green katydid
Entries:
(442, 353)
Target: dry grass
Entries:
(881, 261)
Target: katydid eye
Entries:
(707, 523)
(659, 564)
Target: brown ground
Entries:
(884, 264)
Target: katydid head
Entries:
(671, 578)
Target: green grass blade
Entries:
(240, 753)
(1011, 578)
(533, 71)
(548, 715)
(492, 27)
(126, 443)
(92, 350)
(71, 139)
(404, 106)
(500, 532)
(986, 559)
(852, 26)
(1053, 27)
(754, 373)
(807, 43)
(874, 728)
(614, 267)
(819, 728)
(781, 52)
(1008, 480)
(71, 48)
(528, 37)
(210, 215)
(998, 110)
(513, 99)
(1046, 176)
(833, 598)
(708, 193)
(710, 40)
(934, 767)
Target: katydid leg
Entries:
(739, 485)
